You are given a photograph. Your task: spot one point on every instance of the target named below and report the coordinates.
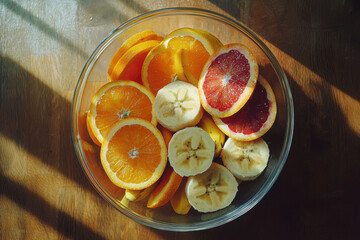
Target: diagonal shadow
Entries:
(317, 183)
(48, 214)
(322, 170)
(136, 6)
(38, 135)
(42, 26)
(319, 34)
(314, 196)
(99, 12)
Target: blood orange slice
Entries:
(228, 80)
(255, 118)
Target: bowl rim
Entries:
(232, 215)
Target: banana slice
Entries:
(208, 124)
(211, 190)
(246, 160)
(138, 195)
(177, 105)
(191, 151)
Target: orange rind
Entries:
(133, 154)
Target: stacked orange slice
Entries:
(180, 56)
(127, 62)
(116, 101)
(122, 118)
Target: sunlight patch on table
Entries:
(314, 87)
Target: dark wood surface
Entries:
(44, 192)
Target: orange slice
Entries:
(194, 59)
(91, 134)
(228, 80)
(166, 134)
(116, 101)
(129, 65)
(166, 188)
(255, 118)
(134, 154)
(181, 55)
(130, 42)
(161, 67)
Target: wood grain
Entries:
(45, 44)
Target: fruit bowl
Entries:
(94, 75)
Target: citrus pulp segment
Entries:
(134, 154)
(164, 191)
(191, 46)
(130, 42)
(116, 101)
(129, 65)
(228, 80)
(198, 45)
(160, 68)
(255, 118)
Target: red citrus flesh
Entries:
(223, 68)
(252, 116)
(255, 118)
(228, 80)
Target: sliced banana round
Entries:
(177, 105)
(211, 190)
(246, 160)
(191, 151)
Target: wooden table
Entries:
(44, 191)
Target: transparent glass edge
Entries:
(266, 187)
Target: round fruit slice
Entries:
(228, 80)
(192, 60)
(191, 47)
(130, 42)
(212, 190)
(129, 65)
(245, 160)
(191, 151)
(255, 118)
(177, 105)
(116, 101)
(164, 191)
(134, 154)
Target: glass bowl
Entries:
(163, 22)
